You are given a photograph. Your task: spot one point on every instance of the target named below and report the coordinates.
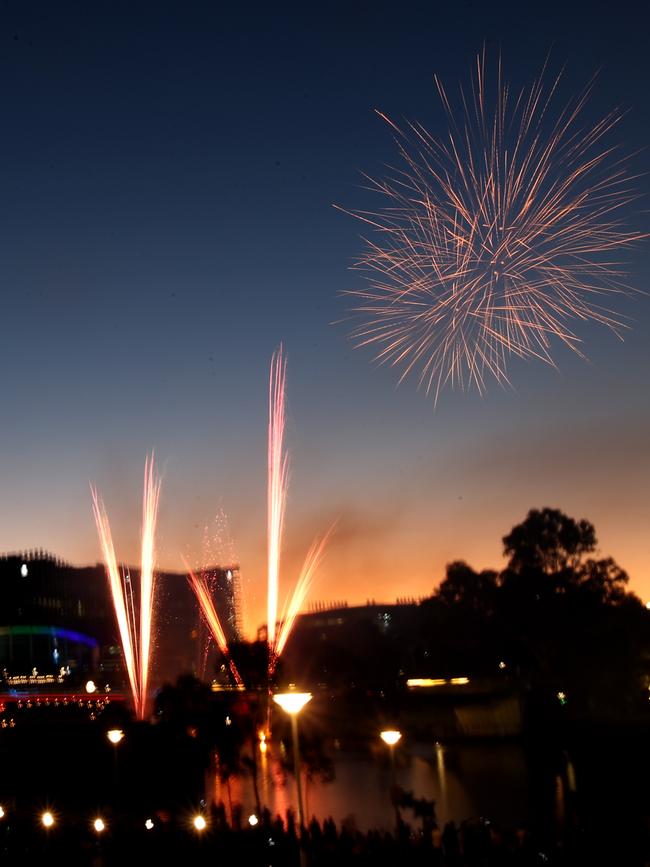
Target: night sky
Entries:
(167, 177)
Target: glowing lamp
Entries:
(90, 687)
(2, 812)
(115, 736)
(199, 823)
(99, 825)
(292, 702)
(390, 737)
(148, 824)
(253, 820)
(47, 819)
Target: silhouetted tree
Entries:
(473, 590)
(548, 541)
(560, 616)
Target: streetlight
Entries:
(47, 819)
(391, 738)
(292, 703)
(199, 823)
(149, 824)
(99, 825)
(115, 736)
(2, 812)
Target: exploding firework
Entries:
(494, 239)
(136, 645)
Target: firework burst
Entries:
(495, 239)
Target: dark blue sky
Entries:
(167, 176)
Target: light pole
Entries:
(391, 737)
(292, 703)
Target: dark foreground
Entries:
(273, 841)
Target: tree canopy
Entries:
(558, 614)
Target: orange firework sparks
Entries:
(136, 649)
(202, 593)
(150, 500)
(278, 471)
(278, 476)
(219, 548)
(303, 585)
(495, 238)
(117, 593)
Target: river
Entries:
(464, 780)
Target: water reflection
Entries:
(464, 780)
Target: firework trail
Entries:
(495, 238)
(116, 585)
(218, 548)
(278, 477)
(278, 472)
(150, 501)
(136, 648)
(300, 591)
(202, 592)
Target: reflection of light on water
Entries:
(442, 779)
(560, 807)
(264, 774)
(468, 780)
(570, 775)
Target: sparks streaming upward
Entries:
(218, 548)
(494, 239)
(303, 585)
(203, 594)
(116, 584)
(136, 649)
(277, 482)
(150, 502)
(278, 477)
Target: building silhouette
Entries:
(58, 628)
